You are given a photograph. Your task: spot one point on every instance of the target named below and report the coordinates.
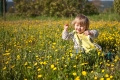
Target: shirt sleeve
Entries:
(66, 35)
(95, 34)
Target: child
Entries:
(81, 36)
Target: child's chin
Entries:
(79, 32)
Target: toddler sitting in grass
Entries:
(81, 35)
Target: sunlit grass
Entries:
(34, 50)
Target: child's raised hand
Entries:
(66, 26)
(87, 33)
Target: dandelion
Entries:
(6, 54)
(99, 53)
(65, 65)
(92, 71)
(30, 51)
(101, 62)
(18, 57)
(4, 68)
(103, 70)
(82, 64)
(115, 60)
(74, 74)
(39, 76)
(74, 66)
(112, 65)
(6, 62)
(54, 43)
(106, 75)
(111, 76)
(29, 67)
(63, 58)
(38, 69)
(107, 64)
(84, 73)
(45, 63)
(52, 66)
(71, 54)
(101, 78)
(95, 78)
(107, 78)
(35, 64)
(41, 62)
(36, 56)
(77, 78)
(56, 50)
(26, 63)
(13, 66)
(96, 65)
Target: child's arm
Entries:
(93, 33)
(65, 34)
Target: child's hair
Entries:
(82, 20)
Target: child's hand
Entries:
(87, 33)
(66, 26)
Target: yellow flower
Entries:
(74, 74)
(63, 58)
(82, 64)
(29, 67)
(103, 70)
(65, 65)
(45, 63)
(84, 73)
(39, 76)
(18, 57)
(99, 53)
(6, 54)
(112, 65)
(106, 75)
(26, 63)
(52, 66)
(92, 71)
(41, 62)
(71, 54)
(38, 69)
(13, 66)
(95, 77)
(77, 78)
(4, 68)
(35, 64)
(54, 43)
(107, 78)
(74, 66)
(6, 62)
(101, 78)
(111, 76)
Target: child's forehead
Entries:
(80, 23)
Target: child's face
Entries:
(79, 28)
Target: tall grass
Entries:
(34, 50)
(109, 16)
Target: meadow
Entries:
(34, 50)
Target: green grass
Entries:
(103, 16)
(34, 50)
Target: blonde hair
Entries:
(82, 20)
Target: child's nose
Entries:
(79, 27)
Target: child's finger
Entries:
(66, 25)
